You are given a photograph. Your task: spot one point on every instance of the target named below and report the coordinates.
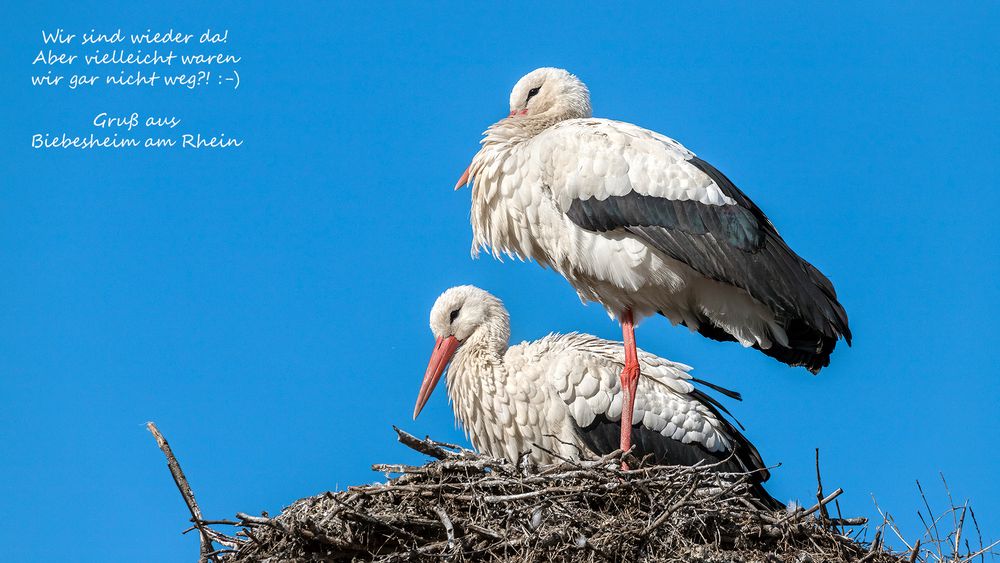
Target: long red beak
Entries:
(444, 349)
(463, 180)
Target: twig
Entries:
(930, 514)
(824, 515)
(449, 528)
(218, 523)
(979, 533)
(858, 521)
(206, 549)
(982, 551)
(890, 523)
(373, 520)
(840, 517)
(876, 544)
(819, 506)
(670, 510)
(958, 529)
(260, 520)
(531, 494)
(427, 446)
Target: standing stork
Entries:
(559, 396)
(638, 223)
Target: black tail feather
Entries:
(807, 347)
(727, 392)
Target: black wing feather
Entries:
(602, 437)
(737, 245)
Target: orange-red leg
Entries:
(630, 380)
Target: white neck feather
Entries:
(477, 374)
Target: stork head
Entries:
(541, 98)
(461, 314)
(552, 92)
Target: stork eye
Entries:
(532, 93)
(454, 314)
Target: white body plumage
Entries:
(516, 212)
(543, 397)
(542, 390)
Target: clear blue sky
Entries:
(267, 306)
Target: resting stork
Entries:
(638, 223)
(560, 395)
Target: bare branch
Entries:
(425, 446)
(206, 549)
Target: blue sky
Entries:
(267, 306)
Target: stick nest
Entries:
(469, 507)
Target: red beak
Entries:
(463, 180)
(444, 349)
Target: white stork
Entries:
(560, 395)
(638, 223)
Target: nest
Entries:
(469, 507)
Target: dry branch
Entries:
(205, 534)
